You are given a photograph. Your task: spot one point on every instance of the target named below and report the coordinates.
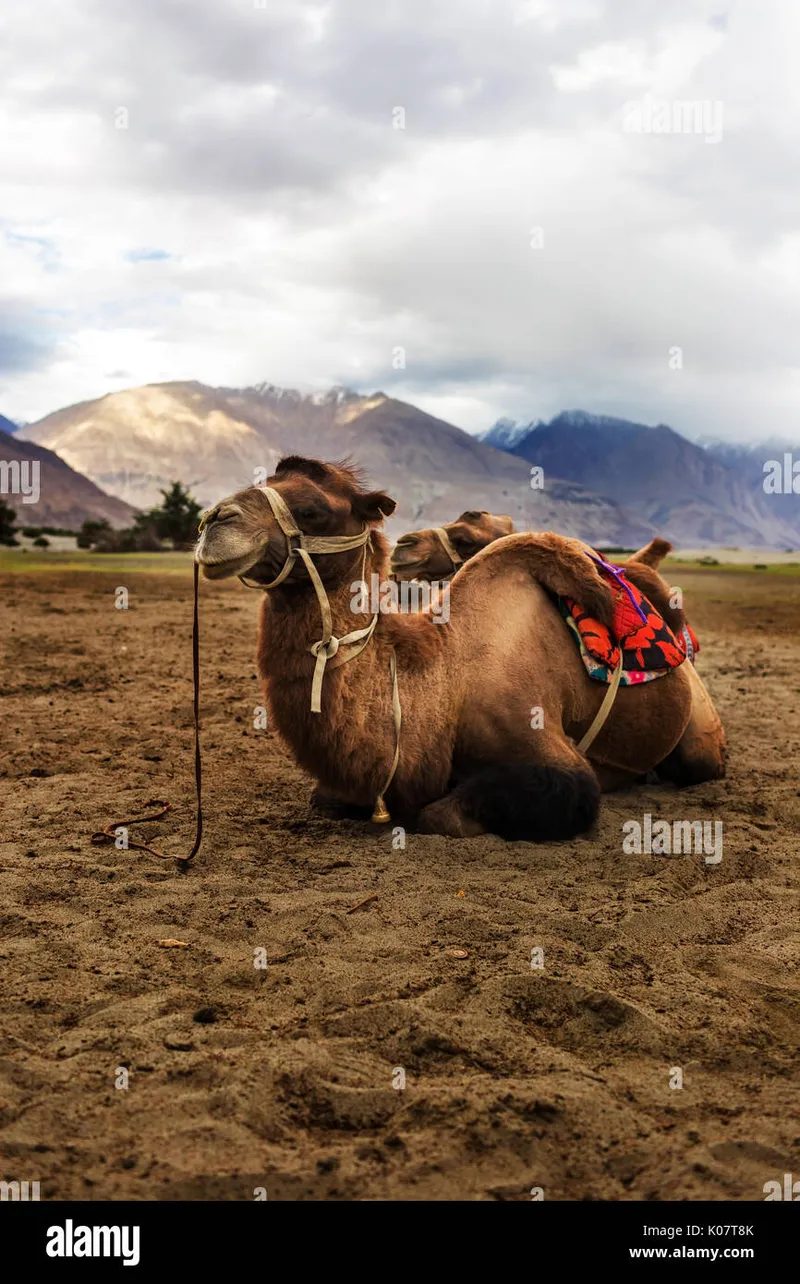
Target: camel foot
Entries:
(521, 802)
(445, 816)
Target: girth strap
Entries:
(605, 707)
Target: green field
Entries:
(724, 568)
(15, 561)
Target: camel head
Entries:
(241, 534)
(421, 555)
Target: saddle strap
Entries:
(605, 708)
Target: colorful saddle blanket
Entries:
(650, 649)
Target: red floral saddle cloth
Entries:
(649, 647)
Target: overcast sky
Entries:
(312, 194)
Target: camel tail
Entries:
(531, 802)
(562, 566)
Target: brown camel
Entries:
(420, 555)
(423, 555)
(472, 758)
(437, 553)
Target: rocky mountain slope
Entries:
(693, 495)
(65, 499)
(134, 442)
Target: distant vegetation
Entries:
(7, 519)
(33, 532)
(172, 523)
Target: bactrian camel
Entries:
(469, 756)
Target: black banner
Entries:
(146, 1237)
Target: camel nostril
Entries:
(217, 517)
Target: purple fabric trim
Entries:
(619, 577)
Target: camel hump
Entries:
(653, 553)
(561, 565)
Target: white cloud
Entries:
(308, 238)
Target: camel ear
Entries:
(472, 515)
(653, 553)
(374, 506)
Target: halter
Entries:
(447, 545)
(329, 648)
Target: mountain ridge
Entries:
(608, 480)
(134, 442)
(692, 493)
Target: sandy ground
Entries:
(282, 1078)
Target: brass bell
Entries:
(380, 814)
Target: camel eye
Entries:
(308, 513)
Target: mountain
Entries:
(7, 425)
(748, 461)
(65, 498)
(692, 494)
(134, 442)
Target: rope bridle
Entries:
(447, 545)
(330, 650)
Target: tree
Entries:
(177, 518)
(7, 519)
(91, 531)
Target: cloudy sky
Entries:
(487, 207)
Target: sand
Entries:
(289, 1078)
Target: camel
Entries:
(423, 555)
(466, 757)
(437, 553)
